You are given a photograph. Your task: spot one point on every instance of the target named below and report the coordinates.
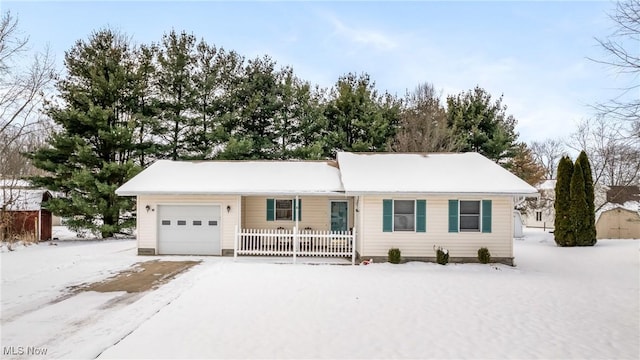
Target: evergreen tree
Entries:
(176, 91)
(482, 125)
(257, 101)
(91, 152)
(358, 119)
(563, 233)
(579, 211)
(146, 102)
(583, 160)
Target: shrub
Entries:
(394, 256)
(484, 256)
(442, 256)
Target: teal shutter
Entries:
(421, 215)
(486, 216)
(387, 215)
(271, 209)
(453, 216)
(298, 211)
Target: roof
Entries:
(452, 173)
(633, 206)
(361, 173)
(623, 194)
(549, 184)
(22, 199)
(235, 177)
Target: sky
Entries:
(535, 54)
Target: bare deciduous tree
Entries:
(547, 153)
(424, 124)
(615, 158)
(22, 92)
(22, 127)
(622, 54)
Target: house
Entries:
(619, 218)
(360, 206)
(22, 215)
(539, 212)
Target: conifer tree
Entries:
(563, 234)
(91, 153)
(583, 160)
(176, 62)
(579, 212)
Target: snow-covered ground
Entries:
(556, 303)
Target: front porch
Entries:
(295, 243)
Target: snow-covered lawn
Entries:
(556, 303)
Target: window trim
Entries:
(538, 215)
(393, 215)
(479, 229)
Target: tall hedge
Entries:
(590, 236)
(579, 211)
(563, 234)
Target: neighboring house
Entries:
(22, 215)
(539, 212)
(360, 205)
(619, 218)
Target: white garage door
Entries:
(189, 230)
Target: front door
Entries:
(339, 215)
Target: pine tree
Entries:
(90, 155)
(579, 212)
(563, 233)
(583, 160)
(482, 125)
(176, 91)
(358, 119)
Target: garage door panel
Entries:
(189, 230)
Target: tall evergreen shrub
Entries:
(590, 235)
(562, 233)
(579, 211)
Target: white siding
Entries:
(147, 222)
(375, 242)
(315, 212)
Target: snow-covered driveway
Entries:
(557, 303)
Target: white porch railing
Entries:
(294, 242)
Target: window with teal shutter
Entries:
(271, 209)
(421, 215)
(486, 216)
(387, 215)
(453, 216)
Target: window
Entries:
(166, 222)
(469, 215)
(404, 215)
(182, 222)
(197, 222)
(538, 215)
(213, 223)
(284, 209)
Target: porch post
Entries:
(353, 246)
(235, 244)
(295, 229)
(295, 242)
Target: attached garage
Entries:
(189, 230)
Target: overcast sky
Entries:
(535, 53)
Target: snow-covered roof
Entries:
(452, 173)
(235, 177)
(549, 184)
(629, 205)
(14, 183)
(19, 199)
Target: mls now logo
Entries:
(23, 350)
